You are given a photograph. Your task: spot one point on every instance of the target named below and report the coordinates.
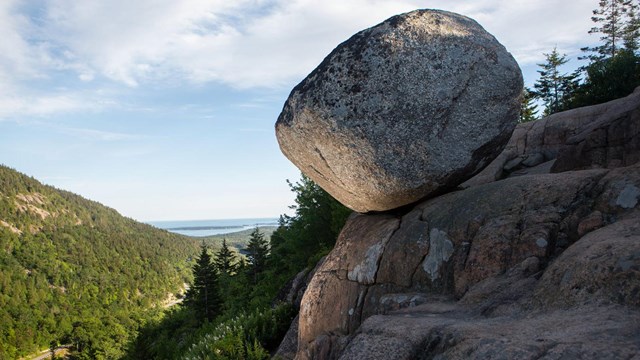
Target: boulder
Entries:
(334, 298)
(585, 305)
(602, 268)
(520, 266)
(588, 332)
(292, 294)
(402, 111)
(599, 136)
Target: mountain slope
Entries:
(75, 271)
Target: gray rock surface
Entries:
(599, 136)
(542, 265)
(590, 332)
(292, 293)
(602, 268)
(586, 305)
(527, 267)
(401, 111)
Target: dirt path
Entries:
(46, 354)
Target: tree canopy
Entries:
(225, 260)
(613, 70)
(203, 296)
(249, 323)
(257, 253)
(554, 87)
(73, 271)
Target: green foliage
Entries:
(609, 79)
(76, 272)
(246, 336)
(553, 87)
(236, 241)
(311, 233)
(257, 253)
(528, 109)
(611, 22)
(298, 243)
(631, 30)
(166, 336)
(203, 296)
(614, 68)
(225, 260)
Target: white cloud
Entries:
(42, 105)
(17, 57)
(530, 27)
(242, 43)
(93, 134)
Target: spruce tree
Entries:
(610, 20)
(609, 79)
(614, 70)
(257, 252)
(225, 260)
(631, 30)
(528, 109)
(553, 87)
(204, 294)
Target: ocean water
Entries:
(213, 227)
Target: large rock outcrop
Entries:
(542, 265)
(406, 109)
(603, 135)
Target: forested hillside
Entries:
(232, 310)
(73, 271)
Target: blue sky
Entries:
(164, 109)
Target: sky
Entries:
(165, 110)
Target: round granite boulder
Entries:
(406, 109)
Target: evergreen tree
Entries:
(225, 260)
(257, 252)
(203, 296)
(553, 87)
(528, 109)
(609, 79)
(631, 31)
(615, 71)
(610, 19)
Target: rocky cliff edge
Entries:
(537, 257)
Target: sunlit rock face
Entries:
(526, 265)
(400, 111)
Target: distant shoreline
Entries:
(218, 227)
(204, 228)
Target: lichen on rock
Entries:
(440, 250)
(403, 110)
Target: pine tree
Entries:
(614, 70)
(610, 20)
(203, 296)
(631, 30)
(553, 87)
(225, 260)
(257, 252)
(528, 109)
(609, 79)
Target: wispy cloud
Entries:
(26, 104)
(93, 134)
(241, 43)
